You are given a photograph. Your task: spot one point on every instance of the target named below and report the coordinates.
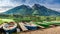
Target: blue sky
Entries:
(8, 4)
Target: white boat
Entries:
(1, 29)
(1, 26)
(9, 27)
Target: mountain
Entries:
(44, 11)
(35, 10)
(22, 10)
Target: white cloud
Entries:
(4, 9)
(11, 3)
(53, 6)
(57, 9)
(6, 3)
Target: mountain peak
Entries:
(38, 6)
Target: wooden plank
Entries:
(36, 25)
(41, 27)
(23, 27)
(52, 25)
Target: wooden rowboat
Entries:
(9, 27)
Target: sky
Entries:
(9, 4)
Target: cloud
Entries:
(51, 4)
(7, 3)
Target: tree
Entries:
(35, 13)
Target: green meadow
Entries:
(5, 20)
(19, 18)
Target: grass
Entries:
(47, 24)
(5, 20)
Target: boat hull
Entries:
(31, 27)
(11, 30)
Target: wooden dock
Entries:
(23, 27)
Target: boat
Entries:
(10, 27)
(31, 26)
(1, 28)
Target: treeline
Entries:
(38, 19)
(19, 18)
